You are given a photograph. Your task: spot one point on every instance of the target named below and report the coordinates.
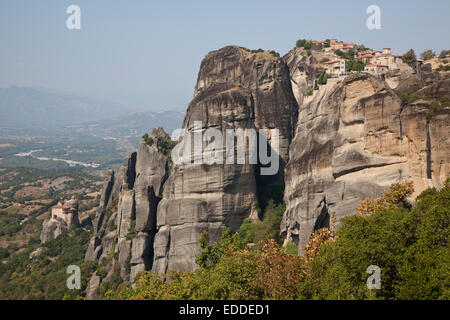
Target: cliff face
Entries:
(124, 226)
(354, 138)
(235, 89)
(147, 222)
(303, 70)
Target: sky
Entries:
(146, 54)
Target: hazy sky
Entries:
(146, 54)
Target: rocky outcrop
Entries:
(304, 69)
(124, 225)
(236, 89)
(354, 138)
(52, 228)
(62, 217)
(149, 219)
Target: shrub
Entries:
(101, 272)
(323, 78)
(443, 68)
(132, 231)
(428, 54)
(165, 146)
(240, 273)
(444, 53)
(275, 54)
(147, 139)
(409, 57)
(355, 65)
(407, 97)
(290, 248)
(410, 245)
(394, 196)
(306, 44)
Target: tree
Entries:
(355, 65)
(428, 54)
(306, 44)
(409, 244)
(300, 43)
(444, 53)
(409, 57)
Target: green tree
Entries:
(410, 245)
(409, 57)
(428, 54)
(444, 53)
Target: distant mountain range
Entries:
(130, 125)
(38, 111)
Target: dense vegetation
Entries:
(26, 196)
(44, 277)
(409, 57)
(410, 243)
(303, 43)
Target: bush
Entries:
(323, 78)
(3, 253)
(355, 65)
(409, 57)
(101, 272)
(132, 231)
(428, 54)
(444, 53)
(275, 54)
(443, 68)
(407, 97)
(410, 245)
(147, 139)
(165, 146)
(240, 273)
(290, 248)
(303, 43)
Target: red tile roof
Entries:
(334, 61)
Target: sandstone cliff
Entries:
(355, 137)
(236, 89)
(124, 225)
(146, 222)
(351, 139)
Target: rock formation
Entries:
(236, 89)
(124, 225)
(61, 218)
(355, 137)
(154, 224)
